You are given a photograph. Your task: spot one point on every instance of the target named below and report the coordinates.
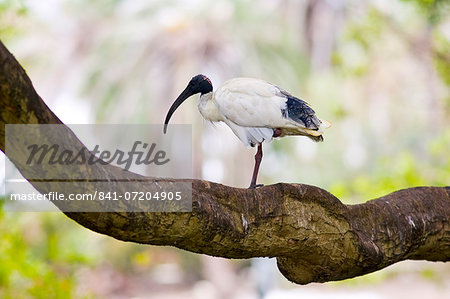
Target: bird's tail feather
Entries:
(324, 124)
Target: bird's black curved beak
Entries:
(187, 92)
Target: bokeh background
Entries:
(379, 70)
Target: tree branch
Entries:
(314, 237)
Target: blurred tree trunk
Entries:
(322, 23)
(314, 237)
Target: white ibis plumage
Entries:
(255, 110)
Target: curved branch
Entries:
(314, 237)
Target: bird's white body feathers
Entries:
(255, 110)
(252, 108)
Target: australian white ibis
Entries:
(254, 110)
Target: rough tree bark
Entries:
(314, 237)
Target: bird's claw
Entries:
(255, 186)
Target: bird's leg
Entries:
(258, 158)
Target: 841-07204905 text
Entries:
(99, 195)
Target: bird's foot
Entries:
(255, 186)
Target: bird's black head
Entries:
(198, 84)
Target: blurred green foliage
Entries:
(421, 157)
(47, 255)
(442, 58)
(434, 10)
(38, 257)
(403, 170)
(10, 12)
